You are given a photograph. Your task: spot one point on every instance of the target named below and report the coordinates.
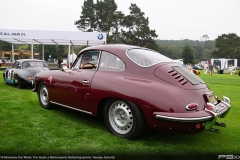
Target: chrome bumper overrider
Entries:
(225, 102)
(210, 119)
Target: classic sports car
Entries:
(23, 71)
(197, 67)
(132, 88)
(197, 72)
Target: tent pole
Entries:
(32, 49)
(72, 53)
(69, 49)
(43, 52)
(12, 52)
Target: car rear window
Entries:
(145, 57)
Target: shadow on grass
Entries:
(16, 87)
(151, 136)
(80, 117)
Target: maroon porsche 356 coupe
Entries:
(133, 88)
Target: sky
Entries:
(171, 19)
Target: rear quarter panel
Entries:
(150, 93)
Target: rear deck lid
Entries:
(179, 76)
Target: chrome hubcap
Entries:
(44, 95)
(120, 117)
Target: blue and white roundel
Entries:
(100, 36)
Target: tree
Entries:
(115, 34)
(60, 50)
(209, 45)
(50, 50)
(197, 50)
(27, 47)
(173, 52)
(105, 15)
(205, 37)
(228, 46)
(187, 54)
(5, 46)
(137, 31)
(97, 17)
(87, 20)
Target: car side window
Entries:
(87, 60)
(26, 65)
(17, 65)
(110, 62)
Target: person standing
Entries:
(210, 68)
(59, 62)
(205, 68)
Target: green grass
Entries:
(28, 129)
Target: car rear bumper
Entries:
(207, 118)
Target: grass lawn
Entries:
(28, 129)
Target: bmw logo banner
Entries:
(100, 36)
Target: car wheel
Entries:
(4, 79)
(43, 96)
(19, 83)
(124, 119)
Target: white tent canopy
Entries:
(52, 37)
(224, 62)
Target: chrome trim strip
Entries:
(222, 112)
(184, 119)
(71, 107)
(228, 105)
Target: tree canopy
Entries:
(228, 46)
(5, 46)
(104, 17)
(187, 54)
(136, 29)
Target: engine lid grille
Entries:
(187, 74)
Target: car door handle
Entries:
(85, 82)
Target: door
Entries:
(72, 86)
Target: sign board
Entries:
(52, 37)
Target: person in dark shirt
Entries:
(210, 66)
(59, 62)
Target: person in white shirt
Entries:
(205, 68)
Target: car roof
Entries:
(111, 47)
(28, 60)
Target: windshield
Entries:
(146, 58)
(33, 64)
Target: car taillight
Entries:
(192, 106)
(198, 126)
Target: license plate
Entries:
(211, 98)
